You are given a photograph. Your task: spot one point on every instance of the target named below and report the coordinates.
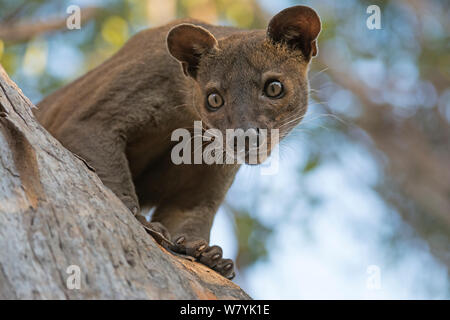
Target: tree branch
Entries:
(24, 31)
(55, 212)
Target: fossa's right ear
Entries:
(298, 27)
(187, 43)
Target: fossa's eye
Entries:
(273, 89)
(214, 101)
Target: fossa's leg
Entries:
(188, 213)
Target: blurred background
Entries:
(360, 207)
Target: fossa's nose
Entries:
(253, 137)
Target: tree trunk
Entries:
(58, 221)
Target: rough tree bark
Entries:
(55, 212)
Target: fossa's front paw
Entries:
(210, 256)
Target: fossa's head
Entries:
(250, 79)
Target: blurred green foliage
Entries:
(252, 236)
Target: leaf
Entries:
(313, 162)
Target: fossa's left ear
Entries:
(298, 27)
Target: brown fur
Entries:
(119, 116)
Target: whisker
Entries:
(307, 120)
(293, 120)
(313, 90)
(318, 73)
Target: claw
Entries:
(231, 276)
(180, 240)
(159, 237)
